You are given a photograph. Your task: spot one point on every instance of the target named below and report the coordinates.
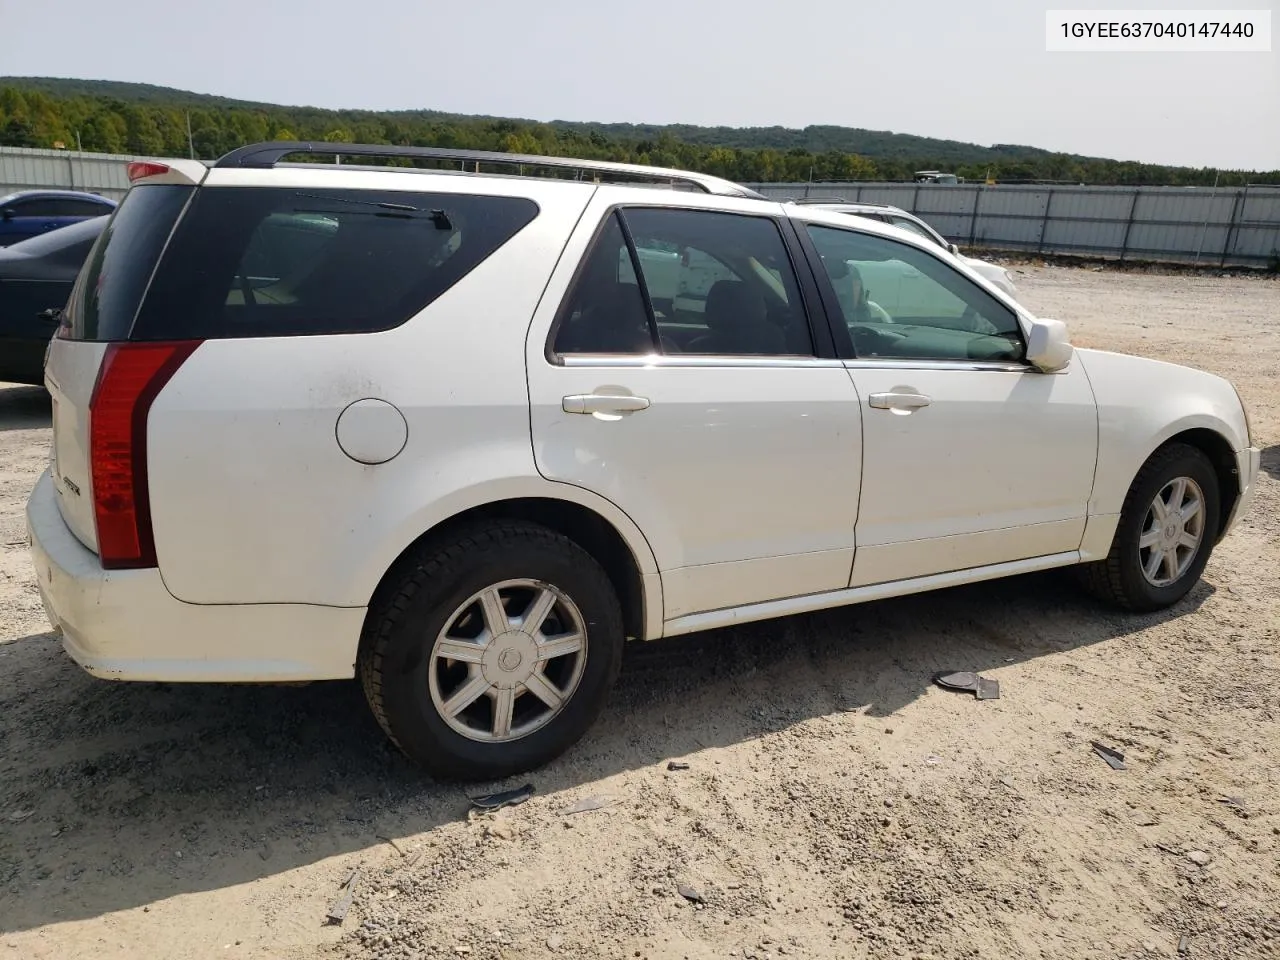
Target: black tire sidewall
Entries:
(417, 726)
(1184, 462)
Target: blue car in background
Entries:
(33, 212)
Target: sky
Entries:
(939, 68)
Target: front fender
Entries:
(1143, 404)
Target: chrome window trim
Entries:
(685, 360)
(891, 363)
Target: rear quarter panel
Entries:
(253, 501)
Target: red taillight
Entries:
(132, 375)
(138, 169)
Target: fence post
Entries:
(857, 198)
(1044, 222)
(973, 217)
(71, 171)
(1237, 208)
(915, 199)
(1124, 244)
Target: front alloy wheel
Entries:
(1165, 534)
(1172, 532)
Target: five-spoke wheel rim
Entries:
(1172, 532)
(507, 660)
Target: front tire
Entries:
(492, 653)
(1167, 529)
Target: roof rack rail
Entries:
(852, 203)
(268, 154)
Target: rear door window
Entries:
(252, 262)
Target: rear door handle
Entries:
(898, 401)
(604, 403)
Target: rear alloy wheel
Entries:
(1166, 532)
(493, 653)
(508, 660)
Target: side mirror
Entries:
(1048, 349)
(9, 213)
(954, 249)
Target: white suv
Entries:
(463, 433)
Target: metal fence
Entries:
(1235, 226)
(25, 169)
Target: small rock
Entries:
(462, 951)
(1222, 905)
(555, 942)
(178, 854)
(19, 815)
(888, 729)
(888, 803)
(1199, 858)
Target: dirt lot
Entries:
(835, 805)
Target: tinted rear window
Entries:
(104, 301)
(255, 262)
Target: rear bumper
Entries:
(1249, 465)
(125, 625)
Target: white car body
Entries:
(286, 475)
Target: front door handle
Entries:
(898, 401)
(589, 403)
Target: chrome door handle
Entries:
(898, 401)
(604, 403)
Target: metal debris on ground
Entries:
(394, 846)
(690, 894)
(1113, 757)
(338, 909)
(589, 804)
(677, 765)
(507, 798)
(1237, 804)
(964, 681)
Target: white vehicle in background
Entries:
(897, 217)
(463, 435)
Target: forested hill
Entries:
(135, 118)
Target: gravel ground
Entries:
(835, 804)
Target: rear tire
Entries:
(1167, 529)
(492, 653)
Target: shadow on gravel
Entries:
(1271, 461)
(24, 408)
(247, 782)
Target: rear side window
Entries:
(105, 299)
(252, 262)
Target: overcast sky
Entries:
(976, 72)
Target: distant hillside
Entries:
(142, 118)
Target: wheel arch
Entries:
(1222, 455)
(604, 532)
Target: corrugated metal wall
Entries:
(22, 169)
(1226, 226)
